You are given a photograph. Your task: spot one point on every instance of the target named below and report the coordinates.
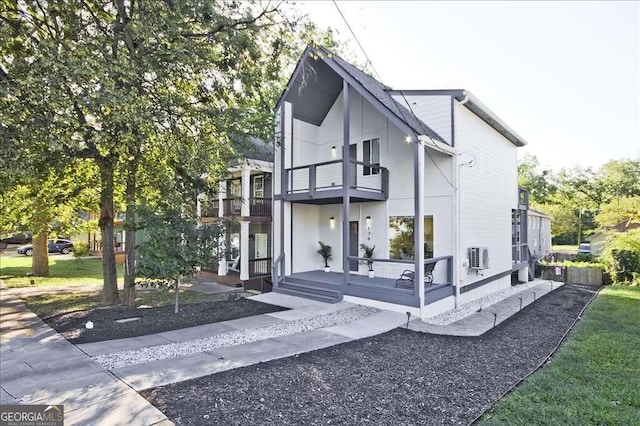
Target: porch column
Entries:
(345, 182)
(418, 220)
(222, 242)
(199, 199)
(244, 250)
(246, 191)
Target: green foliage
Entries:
(593, 379)
(368, 253)
(325, 252)
(175, 246)
(622, 257)
(619, 209)
(536, 179)
(81, 250)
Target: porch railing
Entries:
(260, 206)
(259, 266)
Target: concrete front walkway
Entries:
(171, 370)
(38, 366)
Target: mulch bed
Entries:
(71, 325)
(400, 377)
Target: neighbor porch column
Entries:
(222, 242)
(345, 182)
(418, 220)
(246, 191)
(244, 250)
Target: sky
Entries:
(564, 75)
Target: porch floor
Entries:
(377, 288)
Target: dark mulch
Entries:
(152, 320)
(400, 377)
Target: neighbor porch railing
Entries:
(259, 267)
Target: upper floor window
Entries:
(371, 156)
(258, 186)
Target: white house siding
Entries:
(488, 192)
(538, 234)
(433, 110)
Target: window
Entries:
(371, 156)
(401, 237)
(258, 187)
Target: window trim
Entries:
(367, 159)
(255, 178)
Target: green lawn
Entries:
(594, 379)
(13, 271)
(56, 303)
(573, 249)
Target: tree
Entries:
(175, 247)
(618, 210)
(537, 180)
(117, 81)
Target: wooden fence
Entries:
(573, 275)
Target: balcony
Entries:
(233, 207)
(322, 183)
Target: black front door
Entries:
(353, 244)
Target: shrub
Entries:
(622, 257)
(81, 250)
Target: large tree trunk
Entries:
(109, 273)
(129, 294)
(40, 255)
(40, 261)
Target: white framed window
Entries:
(371, 156)
(258, 186)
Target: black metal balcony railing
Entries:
(314, 179)
(260, 206)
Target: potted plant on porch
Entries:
(325, 252)
(368, 253)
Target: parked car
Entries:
(21, 238)
(584, 248)
(54, 246)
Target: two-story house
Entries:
(427, 177)
(244, 198)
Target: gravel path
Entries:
(400, 377)
(154, 353)
(71, 325)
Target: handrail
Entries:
(324, 163)
(373, 166)
(276, 277)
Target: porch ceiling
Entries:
(314, 91)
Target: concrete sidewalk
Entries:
(38, 366)
(480, 322)
(171, 370)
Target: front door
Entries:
(353, 168)
(261, 246)
(353, 244)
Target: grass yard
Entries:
(595, 376)
(14, 270)
(573, 249)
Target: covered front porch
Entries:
(331, 285)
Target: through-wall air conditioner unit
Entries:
(479, 258)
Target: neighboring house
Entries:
(246, 197)
(94, 238)
(539, 234)
(599, 238)
(437, 162)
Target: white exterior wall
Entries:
(539, 234)
(313, 144)
(433, 110)
(488, 191)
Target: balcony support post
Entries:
(345, 178)
(222, 241)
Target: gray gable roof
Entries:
(252, 148)
(329, 64)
